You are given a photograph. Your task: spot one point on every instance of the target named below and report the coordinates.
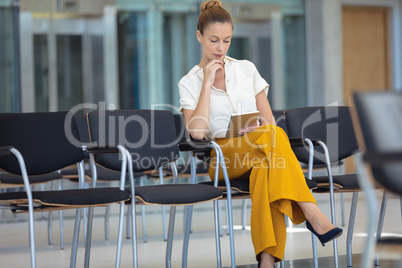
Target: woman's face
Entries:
(216, 40)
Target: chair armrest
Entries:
(192, 145)
(5, 150)
(96, 149)
(381, 158)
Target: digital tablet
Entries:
(240, 121)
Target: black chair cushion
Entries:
(6, 178)
(346, 182)
(105, 174)
(75, 198)
(176, 194)
(311, 184)
(186, 169)
(242, 186)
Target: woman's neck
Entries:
(203, 62)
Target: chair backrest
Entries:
(83, 128)
(280, 119)
(379, 117)
(47, 141)
(331, 125)
(180, 126)
(149, 135)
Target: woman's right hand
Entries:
(210, 71)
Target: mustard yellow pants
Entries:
(277, 183)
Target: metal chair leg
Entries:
(128, 223)
(120, 235)
(217, 234)
(244, 214)
(168, 257)
(187, 231)
(60, 187)
(107, 215)
(332, 202)
(163, 207)
(342, 209)
(381, 221)
(61, 229)
(220, 217)
(367, 257)
(144, 224)
(89, 237)
(314, 246)
(49, 228)
(350, 229)
(228, 202)
(76, 233)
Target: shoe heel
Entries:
(328, 236)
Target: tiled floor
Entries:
(14, 251)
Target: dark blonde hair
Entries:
(211, 12)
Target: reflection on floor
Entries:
(14, 250)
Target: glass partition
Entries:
(9, 93)
(69, 71)
(41, 72)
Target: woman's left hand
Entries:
(248, 129)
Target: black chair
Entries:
(106, 177)
(331, 137)
(39, 143)
(150, 140)
(378, 123)
(237, 188)
(9, 181)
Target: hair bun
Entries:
(209, 4)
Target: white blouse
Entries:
(243, 83)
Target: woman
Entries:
(209, 94)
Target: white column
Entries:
(27, 66)
(52, 60)
(314, 53)
(277, 62)
(332, 43)
(156, 87)
(110, 56)
(177, 50)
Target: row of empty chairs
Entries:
(320, 136)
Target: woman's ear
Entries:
(199, 36)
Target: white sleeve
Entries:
(259, 82)
(187, 96)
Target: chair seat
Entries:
(176, 194)
(186, 169)
(7, 178)
(105, 174)
(389, 245)
(69, 198)
(321, 166)
(346, 182)
(242, 186)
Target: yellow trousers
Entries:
(277, 183)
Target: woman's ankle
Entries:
(267, 260)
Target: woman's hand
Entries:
(248, 129)
(210, 70)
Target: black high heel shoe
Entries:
(328, 236)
